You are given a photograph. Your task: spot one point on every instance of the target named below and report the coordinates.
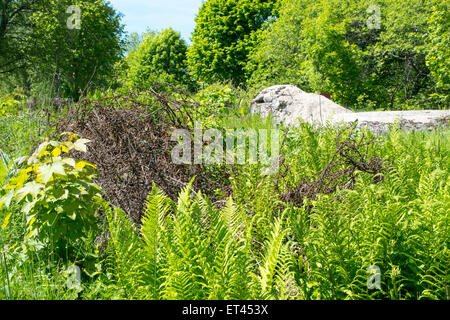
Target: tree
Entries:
(74, 59)
(437, 51)
(133, 41)
(15, 33)
(333, 46)
(160, 58)
(224, 35)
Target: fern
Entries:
(256, 247)
(157, 208)
(271, 258)
(125, 248)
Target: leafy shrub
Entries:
(9, 105)
(158, 62)
(55, 193)
(224, 36)
(216, 102)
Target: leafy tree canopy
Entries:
(15, 33)
(336, 47)
(160, 58)
(223, 37)
(40, 44)
(75, 59)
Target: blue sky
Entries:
(158, 15)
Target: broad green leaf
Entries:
(56, 152)
(42, 150)
(20, 160)
(6, 201)
(69, 161)
(46, 171)
(80, 145)
(32, 188)
(21, 178)
(28, 207)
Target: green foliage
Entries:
(327, 46)
(215, 103)
(34, 275)
(9, 105)
(160, 59)
(256, 246)
(387, 224)
(191, 250)
(253, 242)
(69, 60)
(223, 37)
(41, 54)
(19, 130)
(55, 193)
(15, 33)
(125, 251)
(4, 167)
(437, 53)
(20, 127)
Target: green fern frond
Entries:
(234, 218)
(125, 245)
(272, 256)
(157, 207)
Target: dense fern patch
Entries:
(258, 244)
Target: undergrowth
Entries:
(343, 203)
